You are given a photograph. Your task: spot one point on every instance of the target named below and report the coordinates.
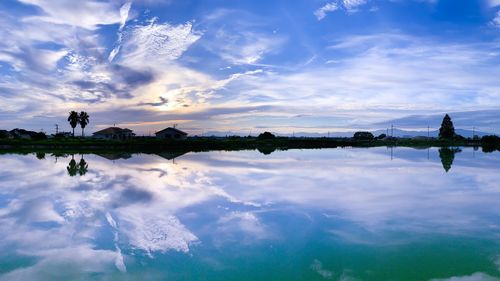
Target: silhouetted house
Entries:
(171, 133)
(62, 135)
(114, 133)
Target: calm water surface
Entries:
(337, 214)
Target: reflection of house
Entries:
(170, 155)
(115, 156)
(114, 133)
(171, 133)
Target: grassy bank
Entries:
(229, 143)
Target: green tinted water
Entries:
(336, 214)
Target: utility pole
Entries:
(57, 129)
(392, 130)
(428, 131)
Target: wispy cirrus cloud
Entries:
(494, 3)
(124, 14)
(156, 42)
(496, 20)
(349, 6)
(85, 14)
(245, 42)
(329, 7)
(353, 6)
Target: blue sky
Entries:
(249, 66)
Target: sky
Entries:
(250, 66)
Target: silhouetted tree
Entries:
(72, 167)
(447, 131)
(84, 120)
(490, 143)
(447, 156)
(73, 120)
(266, 136)
(4, 134)
(363, 136)
(38, 136)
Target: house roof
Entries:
(112, 130)
(171, 129)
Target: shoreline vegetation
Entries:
(198, 144)
(172, 139)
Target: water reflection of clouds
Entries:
(365, 188)
(142, 201)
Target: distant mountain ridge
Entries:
(396, 133)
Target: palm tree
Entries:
(72, 167)
(84, 120)
(73, 120)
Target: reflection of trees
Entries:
(40, 155)
(82, 167)
(447, 156)
(266, 150)
(73, 168)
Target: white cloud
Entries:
(479, 276)
(244, 47)
(245, 222)
(157, 43)
(317, 266)
(156, 233)
(124, 13)
(85, 14)
(329, 7)
(388, 71)
(494, 3)
(496, 20)
(351, 5)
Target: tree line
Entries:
(74, 119)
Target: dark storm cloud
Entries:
(133, 78)
(163, 101)
(120, 75)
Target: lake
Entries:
(333, 214)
